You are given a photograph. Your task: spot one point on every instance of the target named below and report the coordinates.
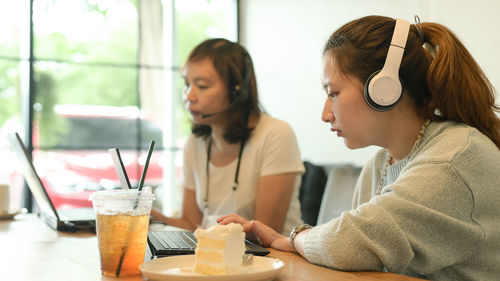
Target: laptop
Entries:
(63, 219)
(167, 243)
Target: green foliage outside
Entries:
(9, 94)
(49, 125)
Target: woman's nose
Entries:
(189, 95)
(327, 115)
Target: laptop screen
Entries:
(34, 182)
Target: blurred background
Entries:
(78, 77)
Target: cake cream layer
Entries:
(220, 249)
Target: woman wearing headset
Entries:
(237, 159)
(427, 204)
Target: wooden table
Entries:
(30, 250)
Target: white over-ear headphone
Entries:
(383, 89)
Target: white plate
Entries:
(178, 268)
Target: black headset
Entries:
(384, 88)
(241, 91)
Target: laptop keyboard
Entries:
(177, 239)
(164, 243)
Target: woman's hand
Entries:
(237, 219)
(265, 235)
(244, 223)
(268, 237)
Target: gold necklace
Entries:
(387, 162)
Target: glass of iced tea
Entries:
(122, 229)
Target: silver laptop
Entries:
(63, 219)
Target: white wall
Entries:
(286, 38)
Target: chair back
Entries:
(338, 192)
(311, 192)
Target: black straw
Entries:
(136, 203)
(143, 176)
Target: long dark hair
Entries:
(439, 74)
(234, 65)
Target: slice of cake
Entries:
(220, 249)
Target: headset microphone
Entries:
(203, 115)
(206, 115)
(236, 100)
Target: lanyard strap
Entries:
(235, 184)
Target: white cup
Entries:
(4, 198)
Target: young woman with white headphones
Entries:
(427, 204)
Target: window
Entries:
(13, 38)
(105, 74)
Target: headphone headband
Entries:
(397, 48)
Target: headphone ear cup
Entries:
(382, 92)
(241, 91)
(240, 94)
(366, 91)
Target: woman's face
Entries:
(204, 91)
(345, 108)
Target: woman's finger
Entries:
(231, 218)
(235, 218)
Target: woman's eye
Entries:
(333, 94)
(202, 87)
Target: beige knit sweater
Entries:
(438, 216)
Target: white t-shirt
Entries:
(271, 149)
